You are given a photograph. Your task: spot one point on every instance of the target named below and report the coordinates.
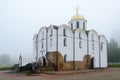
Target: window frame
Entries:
(92, 37)
(80, 35)
(83, 25)
(42, 44)
(80, 44)
(65, 42)
(42, 34)
(64, 32)
(51, 32)
(65, 58)
(77, 24)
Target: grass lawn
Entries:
(5, 68)
(114, 65)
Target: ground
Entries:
(97, 74)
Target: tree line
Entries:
(113, 51)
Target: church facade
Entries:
(72, 42)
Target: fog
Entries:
(116, 35)
(21, 19)
(10, 60)
(7, 60)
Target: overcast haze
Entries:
(21, 19)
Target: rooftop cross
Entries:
(77, 9)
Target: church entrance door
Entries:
(92, 62)
(43, 61)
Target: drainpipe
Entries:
(73, 50)
(46, 40)
(107, 52)
(46, 43)
(99, 52)
(88, 48)
(57, 49)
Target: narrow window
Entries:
(65, 58)
(42, 35)
(42, 39)
(77, 24)
(101, 46)
(83, 25)
(93, 46)
(42, 44)
(65, 42)
(79, 35)
(51, 32)
(72, 26)
(92, 37)
(80, 44)
(64, 32)
(51, 42)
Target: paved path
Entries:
(101, 74)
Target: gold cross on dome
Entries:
(77, 9)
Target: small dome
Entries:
(77, 17)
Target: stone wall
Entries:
(55, 59)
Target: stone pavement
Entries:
(98, 74)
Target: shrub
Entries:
(114, 65)
(28, 72)
(5, 68)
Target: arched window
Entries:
(65, 58)
(42, 39)
(83, 25)
(101, 46)
(93, 47)
(64, 32)
(92, 37)
(65, 42)
(79, 35)
(51, 32)
(42, 35)
(72, 26)
(77, 23)
(80, 44)
(51, 42)
(42, 44)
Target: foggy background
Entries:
(21, 19)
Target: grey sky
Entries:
(21, 19)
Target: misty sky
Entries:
(21, 19)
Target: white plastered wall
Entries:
(103, 52)
(68, 50)
(94, 52)
(80, 52)
(42, 39)
(52, 40)
(35, 47)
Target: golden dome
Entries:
(77, 16)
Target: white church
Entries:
(73, 41)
